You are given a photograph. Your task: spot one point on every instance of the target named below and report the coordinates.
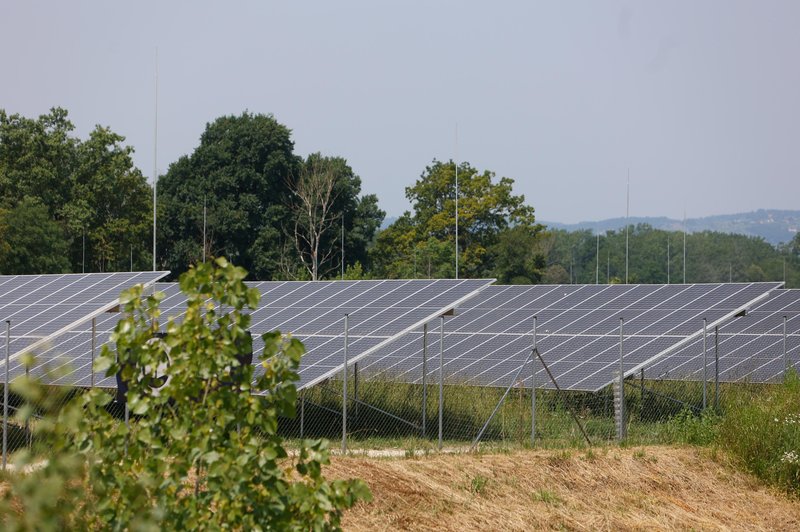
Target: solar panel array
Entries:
(578, 332)
(40, 306)
(379, 311)
(750, 348)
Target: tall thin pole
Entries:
(155, 165)
(784, 272)
(343, 247)
(441, 377)
(705, 365)
(533, 384)
(83, 253)
(5, 396)
(344, 386)
(668, 258)
(205, 249)
(597, 266)
(627, 223)
(684, 247)
(424, 377)
(608, 268)
(456, 164)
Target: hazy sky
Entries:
(700, 99)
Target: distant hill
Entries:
(774, 226)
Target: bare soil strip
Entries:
(651, 488)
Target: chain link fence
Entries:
(409, 398)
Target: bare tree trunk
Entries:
(312, 206)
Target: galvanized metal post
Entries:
(5, 396)
(94, 336)
(705, 365)
(716, 368)
(619, 400)
(785, 353)
(355, 391)
(441, 377)
(344, 386)
(533, 384)
(302, 412)
(424, 376)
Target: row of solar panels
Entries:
(485, 343)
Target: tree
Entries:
(90, 188)
(246, 173)
(200, 452)
(486, 209)
(239, 171)
(30, 242)
(324, 201)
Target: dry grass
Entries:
(651, 488)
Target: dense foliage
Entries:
(496, 237)
(100, 202)
(202, 451)
(710, 257)
(243, 172)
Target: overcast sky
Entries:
(700, 100)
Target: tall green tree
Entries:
(90, 188)
(245, 173)
(30, 241)
(487, 208)
(239, 173)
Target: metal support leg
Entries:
(641, 387)
(441, 377)
(785, 355)
(424, 377)
(705, 364)
(302, 413)
(619, 402)
(355, 392)
(716, 369)
(5, 395)
(533, 386)
(344, 387)
(94, 346)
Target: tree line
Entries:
(70, 205)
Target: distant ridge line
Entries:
(773, 225)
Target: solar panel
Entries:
(750, 348)
(40, 306)
(379, 312)
(578, 332)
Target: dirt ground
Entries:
(650, 488)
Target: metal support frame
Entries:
(441, 377)
(5, 395)
(424, 377)
(705, 364)
(94, 346)
(355, 391)
(344, 385)
(619, 402)
(558, 389)
(302, 412)
(477, 439)
(716, 368)
(785, 351)
(533, 385)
